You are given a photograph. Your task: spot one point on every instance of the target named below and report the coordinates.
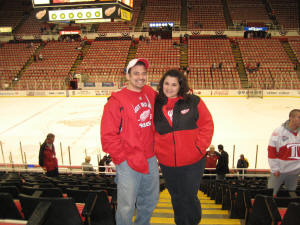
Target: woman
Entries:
(184, 130)
(47, 156)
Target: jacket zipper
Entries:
(174, 146)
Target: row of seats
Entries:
(237, 196)
(200, 14)
(275, 71)
(206, 15)
(67, 199)
(286, 13)
(248, 10)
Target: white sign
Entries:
(75, 14)
(41, 2)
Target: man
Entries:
(222, 166)
(284, 154)
(127, 134)
(211, 160)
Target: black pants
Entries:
(183, 184)
(52, 173)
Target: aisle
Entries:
(211, 212)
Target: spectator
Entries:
(242, 164)
(47, 156)
(222, 166)
(127, 135)
(40, 57)
(101, 164)
(220, 65)
(211, 160)
(175, 45)
(110, 166)
(284, 154)
(86, 165)
(214, 66)
(184, 129)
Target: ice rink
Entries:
(75, 121)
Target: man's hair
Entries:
(221, 147)
(139, 63)
(293, 112)
(184, 87)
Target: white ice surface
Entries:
(238, 121)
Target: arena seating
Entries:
(13, 12)
(162, 11)
(94, 204)
(206, 15)
(202, 54)
(32, 26)
(162, 56)
(276, 69)
(286, 13)
(13, 58)
(248, 11)
(295, 45)
(105, 60)
(249, 198)
(50, 72)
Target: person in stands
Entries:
(127, 134)
(47, 156)
(284, 154)
(222, 166)
(86, 165)
(211, 160)
(184, 129)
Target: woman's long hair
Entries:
(50, 135)
(184, 87)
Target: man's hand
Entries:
(276, 173)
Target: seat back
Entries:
(264, 211)
(100, 212)
(13, 190)
(292, 215)
(8, 209)
(285, 201)
(62, 211)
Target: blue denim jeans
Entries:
(136, 190)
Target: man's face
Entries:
(211, 149)
(295, 120)
(137, 78)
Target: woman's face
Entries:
(50, 140)
(171, 87)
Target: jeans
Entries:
(136, 190)
(288, 179)
(183, 184)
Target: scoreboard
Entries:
(70, 3)
(75, 10)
